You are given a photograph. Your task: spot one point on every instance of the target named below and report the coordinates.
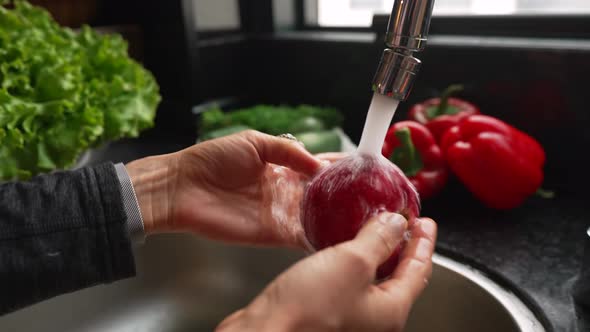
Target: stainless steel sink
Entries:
(187, 284)
(460, 298)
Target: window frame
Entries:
(540, 26)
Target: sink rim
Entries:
(524, 311)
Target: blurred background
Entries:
(526, 62)
(523, 60)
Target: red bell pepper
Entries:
(440, 114)
(413, 149)
(498, 163)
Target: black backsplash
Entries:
(539, 90)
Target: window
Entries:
(216, 14)
(334, 13)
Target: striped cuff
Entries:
(134, 219)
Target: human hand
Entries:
(331, 157)
(244, 188)
(334, 289)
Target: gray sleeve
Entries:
(61, 232)
(134, 219)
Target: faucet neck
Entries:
(408, 25)
(407, 33)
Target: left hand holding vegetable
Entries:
(245, 188)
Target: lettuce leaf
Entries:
(63, 92)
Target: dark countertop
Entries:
(537, 248)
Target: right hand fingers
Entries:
(415, 267)
(378, 238)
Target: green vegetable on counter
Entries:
(308, 123)
(63, 92)
(321, 141)
(311, 125)
(273, 120)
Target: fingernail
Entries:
(395, 222)
(427, 226)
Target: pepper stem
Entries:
(444, 98)
(406, 156)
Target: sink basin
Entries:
(188, 284)
(461, 298)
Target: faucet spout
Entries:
(408, 24)
(407, 32)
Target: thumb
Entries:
(379, 237)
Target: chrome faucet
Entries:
(406, 33)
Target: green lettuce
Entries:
(63, 92)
